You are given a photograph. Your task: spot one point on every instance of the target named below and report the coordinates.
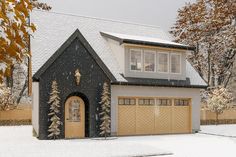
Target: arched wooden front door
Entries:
(74, 118)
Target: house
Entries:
(154, 90)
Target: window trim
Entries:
(126, 98)
(171, 99)
(168, 62)
(146, 99)
(163, 98)
(141, 51)
(180, 55)
(155, 61)
(182, 99)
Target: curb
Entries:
(216, 134)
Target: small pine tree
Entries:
(105, 112)
(54, 103)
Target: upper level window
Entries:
(149, 61)
(135, 60)
(163, 62)
(175, 63)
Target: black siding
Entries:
(90, 88)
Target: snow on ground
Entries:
(221, 130)
(17, 141)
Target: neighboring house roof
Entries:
(53, 29)
(143, 40)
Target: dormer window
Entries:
(135, 60)
(163, 62)
(154, 63)
(149, 61)
(175, 63)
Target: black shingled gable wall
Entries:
(61, 68)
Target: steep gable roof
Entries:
(53, 29)
(67, 43)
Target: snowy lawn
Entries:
(18, 142)
(221, 130)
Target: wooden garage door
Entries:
(181, 120)
(127, 116)
(142, 116)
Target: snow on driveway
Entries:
(221, 130)
(17, 141)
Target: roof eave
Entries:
(157, 85)
(146, 43)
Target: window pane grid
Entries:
(151, 101)
(175, 63)
(126, 101)
(74, 111)
(136, 60)
(162, 62)
(181, 102)
(149, 61)
(146, 101)
(164, 102)
(144, 60)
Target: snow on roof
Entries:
(142, 39)
(53, 29)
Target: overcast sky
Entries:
(153, 12)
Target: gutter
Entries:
(156, 85)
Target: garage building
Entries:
(153, 88)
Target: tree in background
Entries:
(219, 100)
(19, 81)
(15, 30)
(6, 98)
(54, 101)
(105, 112)
(210, 26)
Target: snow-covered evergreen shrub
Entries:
(219, 100)
(105, 112)
(54, 102)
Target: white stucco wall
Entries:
(193, 93)
(35, 107)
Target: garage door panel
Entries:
(163, 119)
(127, 120)
(181, 119)
(145, 120)
(138, 118)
